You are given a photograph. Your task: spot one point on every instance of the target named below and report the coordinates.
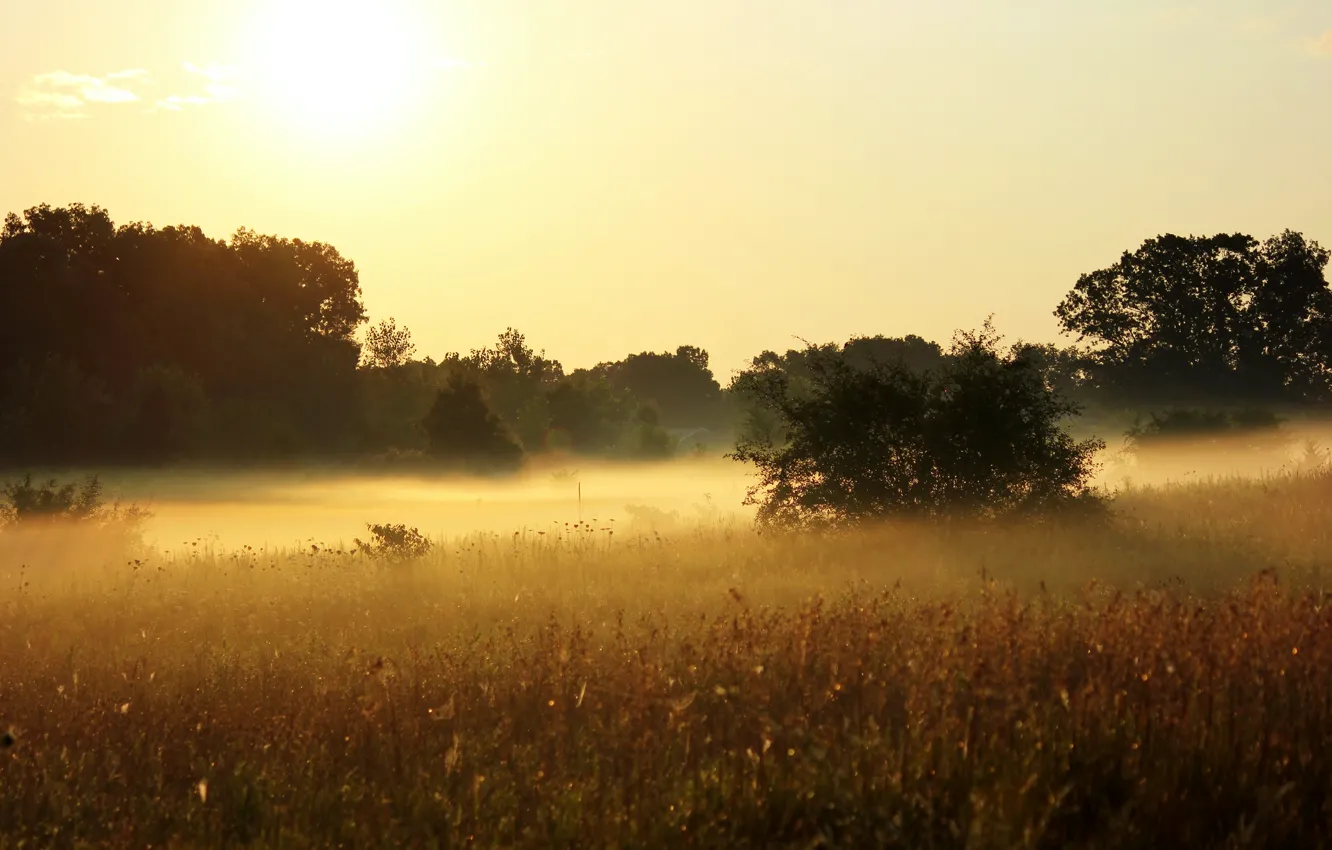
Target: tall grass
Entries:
(1161, 681)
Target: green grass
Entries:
(900, 686)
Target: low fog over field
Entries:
(292, 508)
(289, 509)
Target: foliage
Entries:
(1209, 318)
(679, 385)
(387, 346)
(981, 437)
(115, 332)
(649, 440)
(56, 412)
(25, 501)
(393, 543)
(166, 414)
(114, 528)
(515, 379)
(463, 431)
(587, 414)
(911, 352)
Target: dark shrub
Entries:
(979, 437)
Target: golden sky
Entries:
(618, 175)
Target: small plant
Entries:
(393, 542)
(26, 502)
(1313, 458)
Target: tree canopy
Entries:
(1208, 318)
(116, 336)
(679, 384)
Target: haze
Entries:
(614, 177)
(330, 507)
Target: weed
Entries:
(395, 543)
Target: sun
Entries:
(337, 65)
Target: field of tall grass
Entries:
(1161, 680)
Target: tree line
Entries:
(133, 344)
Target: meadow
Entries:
(646, 679)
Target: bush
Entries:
(395, 543)
(26, 501)
(979, 437)
(118, 528)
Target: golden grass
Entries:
(899, 686)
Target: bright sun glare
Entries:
(337, 65)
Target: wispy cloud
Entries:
(50, 104)
(177, 102)
(219, 80)
(60, 94)
(211, 83)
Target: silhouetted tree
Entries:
(166, 414)
(650, 440)
(53, 412)
(462, 430)
(911, 352)
(1208, 318)
(981, 436)
(393, 403)
(1065, 370)
(587, 414)
(755, 421)
(679, 385)
(258, 330)
(515, 379)
(310, 283)
(387, 346)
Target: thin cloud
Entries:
(216, 84)
(1321, 46)
(178, 102)
(61, 94)
(109, 89)
(49, 104)
(218, 80)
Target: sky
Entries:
(611, 176)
